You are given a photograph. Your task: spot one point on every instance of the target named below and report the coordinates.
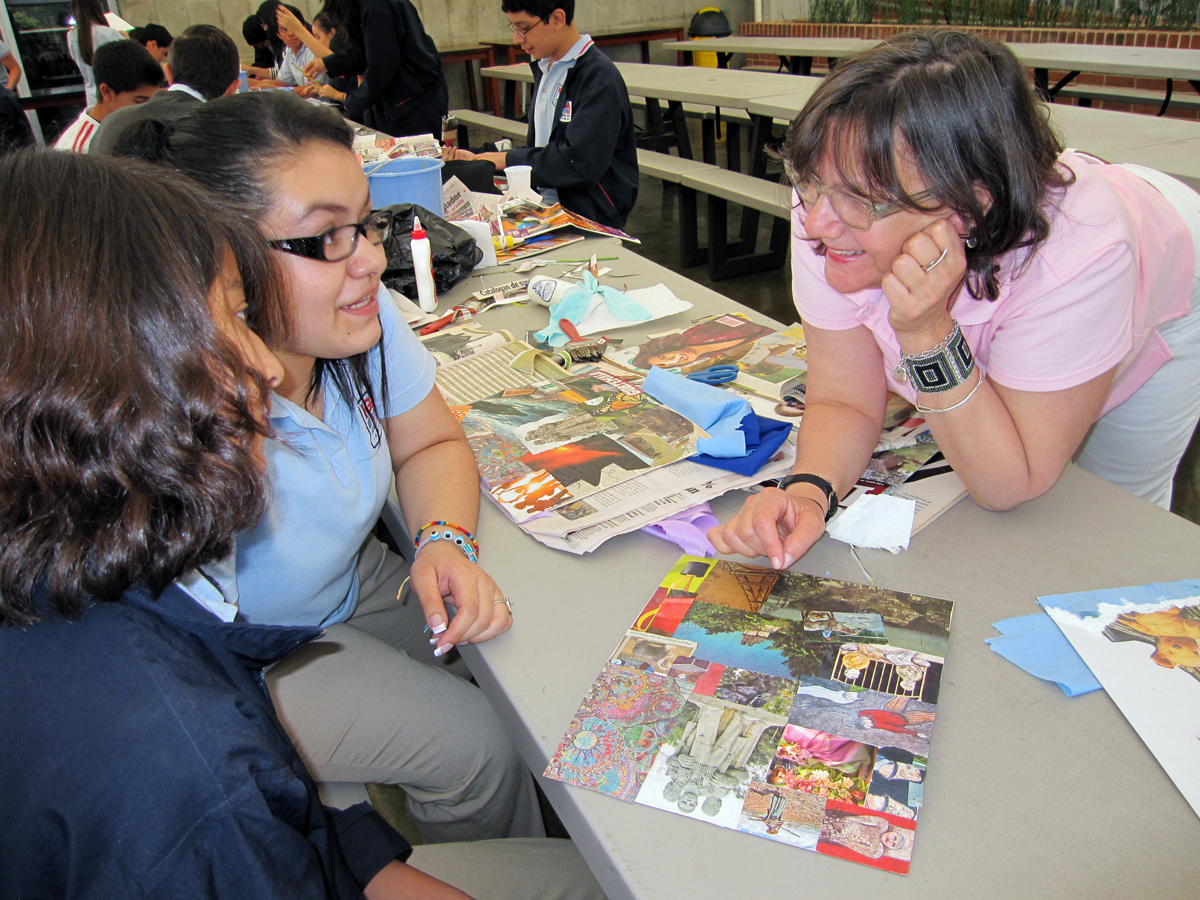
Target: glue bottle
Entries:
(422, 256)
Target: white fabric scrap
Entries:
(877, 521)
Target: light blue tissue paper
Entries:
(1037, 645)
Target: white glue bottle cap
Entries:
(422, 254)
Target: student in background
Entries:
(206, 65)
(581, 141)
(290, 71)
(9, 61)
(403, 88)
(157, 40)
(255, 33)
(322, 40)
(91, 30)
(127, 75)
(327, 31)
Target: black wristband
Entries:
(825, 486)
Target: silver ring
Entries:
(933, 265)
(506, 601)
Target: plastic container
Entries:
(422, 256)
(412, 179)
(709, 22)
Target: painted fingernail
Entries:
(437, 624)
(443, 650)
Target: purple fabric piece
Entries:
(688, 530)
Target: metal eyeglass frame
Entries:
(517, 29)
(874, 211)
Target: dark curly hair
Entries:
(962, 106)
(128, 421)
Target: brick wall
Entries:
(1109, 37)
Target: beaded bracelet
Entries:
(441, 531)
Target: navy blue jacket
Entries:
(141, 756)
(404, 89)
(591, 157)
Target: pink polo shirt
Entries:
(1118, 263)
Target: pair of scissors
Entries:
(715, 375)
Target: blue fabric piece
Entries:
(575, 304)
(1037, 645)
(763, 437)
(715, 410)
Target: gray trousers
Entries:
(368, 702)
(511, 870)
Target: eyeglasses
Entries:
(339, 243)
(852, 211)
(523, 30)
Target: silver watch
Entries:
(943, 368)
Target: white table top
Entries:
(779, 46)
(1167, 144)
(690, 84)
(1151, 62)
(1030, 794)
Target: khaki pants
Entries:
(368, 702)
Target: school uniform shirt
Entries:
(590, 156)
(291, 67)
(142, 757)
(1117, 264)
(78, 136)
(101, 35)
(329, 480)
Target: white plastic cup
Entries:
(520, 181)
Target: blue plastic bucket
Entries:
(414, 179)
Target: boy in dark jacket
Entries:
(581, 141)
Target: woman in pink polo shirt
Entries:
(1033, 302)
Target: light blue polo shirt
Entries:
(329, 481)
(554, 75)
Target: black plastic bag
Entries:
(455, 252)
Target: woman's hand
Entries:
(315, 68)
(328, 92)
(772, 523)
(442, 574)
(287, 19)
(920, 296)
(306, 90)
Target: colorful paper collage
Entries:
(1143, 645)
(547, 445)
(794, 708)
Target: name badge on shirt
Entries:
(366, 408)
(566, 113)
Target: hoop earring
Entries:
(972, 239)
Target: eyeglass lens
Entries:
(342, 242)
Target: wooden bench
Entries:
(725, 258)
(1087, 93)
(509, 128)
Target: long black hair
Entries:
(127, 419)
(962, 107)
(87, 13)
(231, 145)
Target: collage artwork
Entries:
(782, 705)
(544, 446)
